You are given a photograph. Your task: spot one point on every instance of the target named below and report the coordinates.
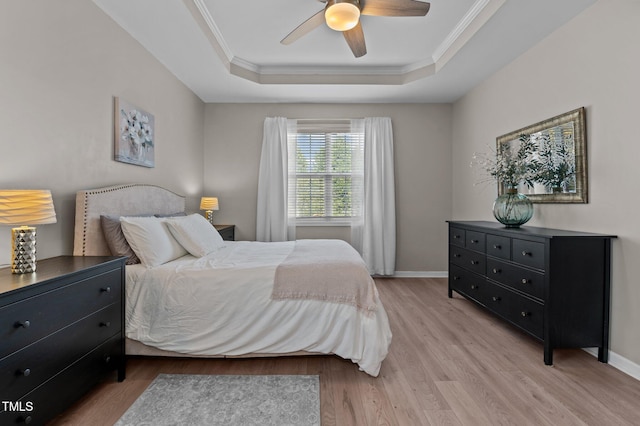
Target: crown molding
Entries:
(481, 11)
(478, 15)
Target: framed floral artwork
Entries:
(134, 135)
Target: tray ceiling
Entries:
(230, 51)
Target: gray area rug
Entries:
(184, 399)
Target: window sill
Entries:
(322, 222)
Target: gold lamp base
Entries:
(209, 215)
(23, 250)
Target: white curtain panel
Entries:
(292, 133)
(373, 233)
(357, 186)
(272, 214)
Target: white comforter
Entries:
(220, 304)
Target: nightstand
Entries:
(227, 232)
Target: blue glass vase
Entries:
(512, 209)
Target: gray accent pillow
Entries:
(177, 214)
(115, 239)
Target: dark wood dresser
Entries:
(552, 284)
(61, 331)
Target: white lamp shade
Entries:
(209, 203)
(26, 207)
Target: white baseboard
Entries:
(421, 274)
(619, 362)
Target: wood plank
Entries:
(463, 404)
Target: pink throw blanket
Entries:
(326, 270)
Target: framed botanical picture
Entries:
(134, 135)
(558, 158)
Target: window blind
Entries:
(327, 170)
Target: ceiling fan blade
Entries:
(355, 40)
(306, 27)
(394, 7)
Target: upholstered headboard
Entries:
(123, 200)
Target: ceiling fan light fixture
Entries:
(342, 16)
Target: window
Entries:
(327, 172)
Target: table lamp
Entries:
(208, 204)
(25, 207)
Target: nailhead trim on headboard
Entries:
(164, 201)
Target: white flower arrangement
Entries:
(511, 166)
(133, 134)
(136, 131)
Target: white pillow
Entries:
(195, 234)
(151, 240)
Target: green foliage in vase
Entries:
(511, 164)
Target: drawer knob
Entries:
(475, 262)
(525, 281)
(105, 290)
(105, 324)
(525, 314)
(456, 278)
(497, 246)
(526, 253)
(24, 372)
(23, 324)
(456, 237)
(496, 271)
(457, 255)
(474, 287)
(496, 298)
(107, 359)
(25, 420)
(475, 241)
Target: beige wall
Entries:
(62, 64)
(592, 61)
(422, 134)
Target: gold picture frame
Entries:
(559, 140)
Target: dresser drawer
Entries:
(498, 299)
(521, 311)
(468, 259)
(468, 283)
(528, 253)
(527, 314)
(29, 320)
(474, 241)
(499, 246)
(25, 369)
(516, 277)
(63, 389)
(456, 237)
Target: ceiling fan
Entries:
(344, 16)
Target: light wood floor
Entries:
(450, 363)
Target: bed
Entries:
(240, 298)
